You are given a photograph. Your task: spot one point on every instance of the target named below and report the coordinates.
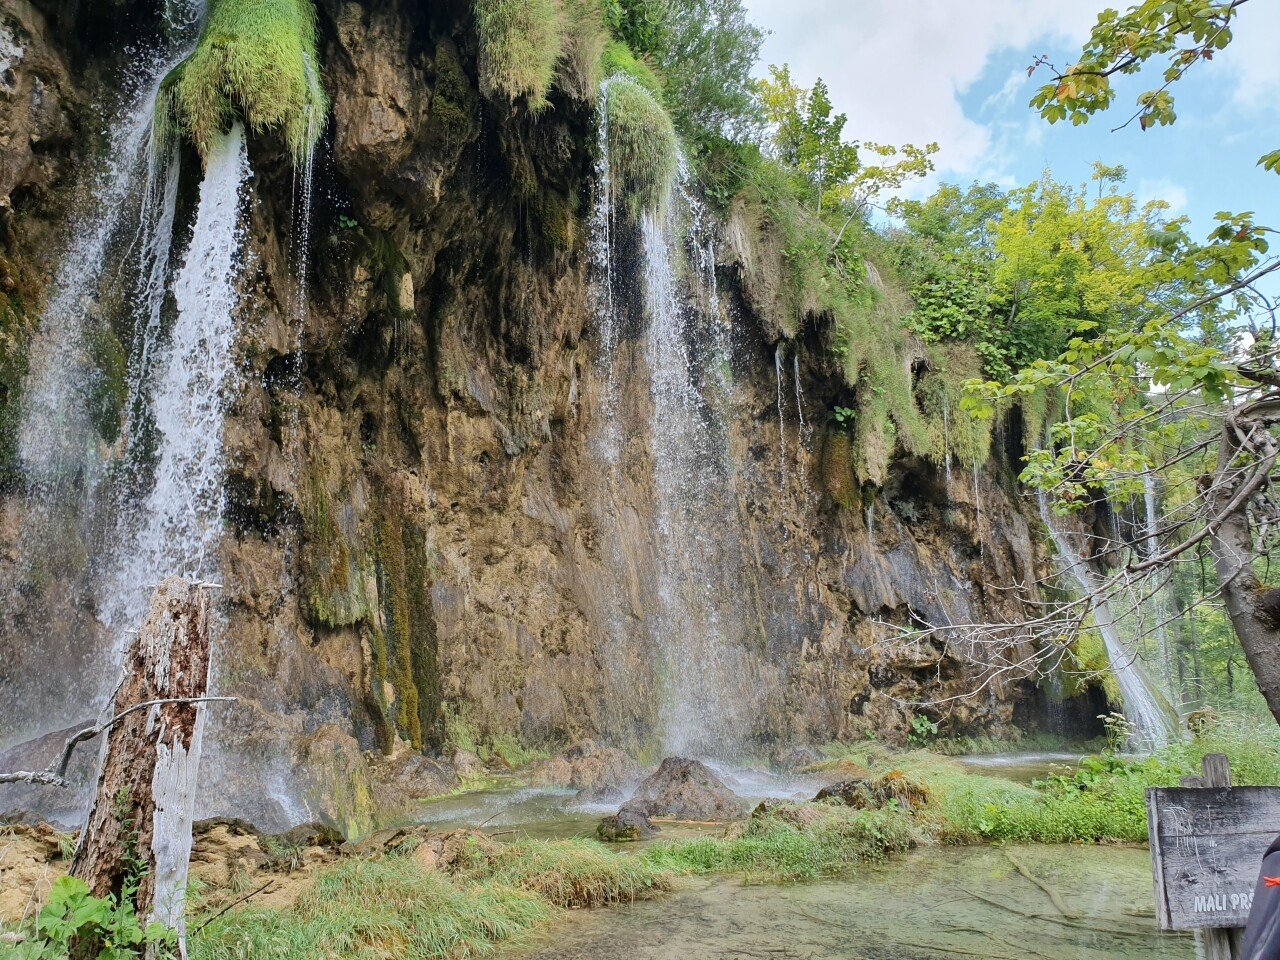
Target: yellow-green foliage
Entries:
(256, 59)
(585, 40)
(616, 57)
(948, 428)
(521, 43)
(643, 150)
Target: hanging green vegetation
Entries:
(521, 42)
(643, 151)
(255, 60)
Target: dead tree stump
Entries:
(139, 828)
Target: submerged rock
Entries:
(683, 789)
(624, 826)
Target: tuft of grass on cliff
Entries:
(643, 149)
(256, 60)
(521, 42)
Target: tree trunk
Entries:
(137, 840)
(1252, 617)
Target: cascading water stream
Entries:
(782, 425)
(1153, 719)
(1160, 600)
(114, 269)
(180, 518)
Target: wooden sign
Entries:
(1206, 848)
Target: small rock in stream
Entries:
(683, 789)
(624, 826)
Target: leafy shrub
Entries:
(643, 151)
(73, 919)
(256, 59)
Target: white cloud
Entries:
(1252, 54)
(898, 69)
(1174, 194)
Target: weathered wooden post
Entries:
(139, 828)
(1207, 842)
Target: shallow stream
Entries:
(1010, 903)
(937, 902)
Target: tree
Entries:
(807, 136)
(1172, 397)
(1183, 33)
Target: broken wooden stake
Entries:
(137, 838)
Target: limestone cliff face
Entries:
(426, 533)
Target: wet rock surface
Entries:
(596, 770)
(683, 789)
(624, 826)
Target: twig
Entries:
(234, 903)
(1051, 893)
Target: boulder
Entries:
(625, 825)
(586, 766)
(866, 793)
(684, 789)
(791, 759)
(467, 764)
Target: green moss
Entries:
(334, 574)
(521, 42)
(256, 59)
(948, 429)
(410, 637)
(15, 340)
(585, 39)
(643, 150)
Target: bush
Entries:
(257, 59)
(643, 151)
(74, 919)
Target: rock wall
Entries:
(424, 540)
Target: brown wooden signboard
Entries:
(1206, 847)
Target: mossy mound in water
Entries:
(256, 60)
(643, 150)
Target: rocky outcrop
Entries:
(596, 770)
(423, 533)
(682, 789)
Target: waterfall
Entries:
(180, 517)
(1160, 600)
(782, 426)
(701, 706)
(111, 277)
(946, 445)
(1145, 707)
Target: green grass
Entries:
(643, 149)
(375, 910)
(568, 873)
(256, 59)
(775, 849)
(521, 43)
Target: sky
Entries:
(955, 72)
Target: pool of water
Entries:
(939, 902)
(1022, 767)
